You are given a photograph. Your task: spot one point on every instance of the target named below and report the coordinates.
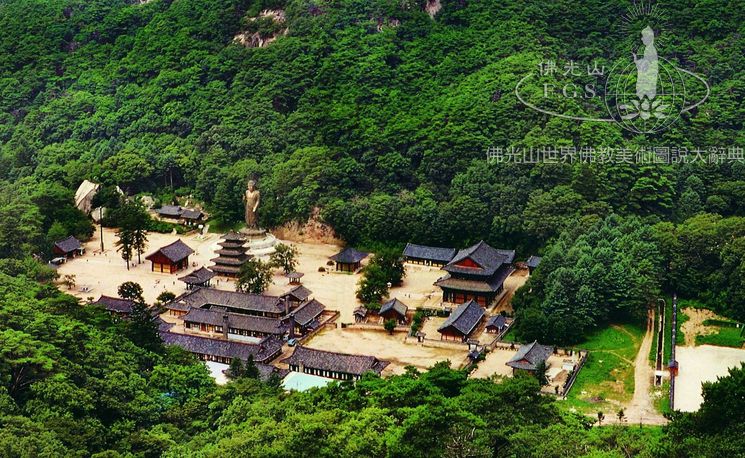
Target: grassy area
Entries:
(219, 227)
(662, 397)
(510, 336)
(726, 336)
(608, 375)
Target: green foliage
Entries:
(390, 325)
(609, 271)
(285, 257)
(73, 384)
(254, 277)
(132, 291)
(373, 286)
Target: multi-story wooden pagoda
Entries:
(231, 255)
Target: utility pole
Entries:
(100, 224)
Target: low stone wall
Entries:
(437, 343)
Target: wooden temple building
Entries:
(200, 278)
(477, 272)
(462, 322)
(116, 305)
(529, 357)
(394, 309)
(232, 301)
(223, 351)
(170, 258)
(428, 255)
(339, 366)
(348, 259)
(231, 255)
(68, 248)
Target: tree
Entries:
(131, 290)
(23, 360)
(143, 328)
(125, 244)
(601, 417)
(621, 415)
(285, 257)
(390, 325)
(373, 286)
(251, 371)
(540, 373)
(254, 277)
(236, 369)
(69, 281)
(164, 298)
(133, 221)
(391, 263)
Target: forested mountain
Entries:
(372, 110)
(380, 113)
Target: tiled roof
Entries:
(231, 260)
(486, 285)
(465, 318)
(234, 237)
(349, 256)
(294, 275)
(533, 261)
(396, 305)
(262, 352)
(188, 213)
(299, 293)
(172, 211)
(529, 356)
(203, 297)
(175, 252)
(429, 252)
(235, 320)
(308, 312)
(360, 311)
(115, 304)
(68, 245)
(335, 362)
(496, 321)
(198, 276)
(487, 258)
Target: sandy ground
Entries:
(511, 284)
(494, 364)
(384, 346)
(98, 273)
(701, 364)
(694, 326)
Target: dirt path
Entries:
(641, 409)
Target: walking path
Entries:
(642, 410)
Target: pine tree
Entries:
(251, 371)
(125, 244)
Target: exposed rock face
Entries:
(312, 230)
(432, 7)
(251, 39)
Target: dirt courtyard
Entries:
(701, 364)
(98, 273)
(495, 363)
(387, 347)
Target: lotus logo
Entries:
(643, 92)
